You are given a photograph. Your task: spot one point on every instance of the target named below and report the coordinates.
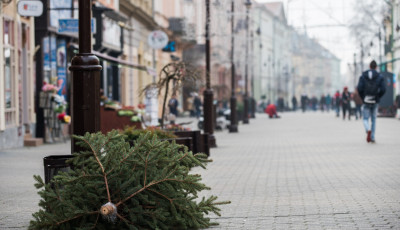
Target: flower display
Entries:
(67, 119)
(49, 88)
(64, 118)
(176, 127)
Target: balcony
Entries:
(180, 27)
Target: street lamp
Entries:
(233, 127)
(246, 92)
(252, 100)
(355, 69)
(85, 67)
(208, 93)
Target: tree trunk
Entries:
(164, 102)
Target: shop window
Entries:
(9, 72)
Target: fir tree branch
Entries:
(129, 197)
(97, 220)
(185, 155)
(145, 169)
(105, 143)
(124, 219)
(102, 170)
(170, 200)
(149, 185)
(133, 150)
(81, 177)
(75, 217)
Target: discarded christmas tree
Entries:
(115, 186)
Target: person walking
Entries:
(197, 105)
(357, 99)
(328, 102)
(322, 102)
(346, 97)
(173, 105)
(337, 103)
(294, 103)
(304, 102)
(189, 105)
(371, 87)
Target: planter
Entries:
(45, 99)
(186, 141)
(205, 146)
(200, 141)
(54, 164)
(110, 120)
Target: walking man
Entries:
(371, 88)
(346, 97)
(173, 105)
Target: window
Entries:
(9, 72)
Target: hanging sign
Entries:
(157, 39)
(30, 8)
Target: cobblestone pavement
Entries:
(307, 171)
(303, 171)
(18, 196)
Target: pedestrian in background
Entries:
(281, 104)
(294, 103)
(357, 99)
(189, 105)
(271, 111)
(337, 103)
(314, 103)
(371, 87)
(304, 102)
(328, 102)
(346, 97)
(197, 105)
(398, 103)
(322, 103)
(173, 105)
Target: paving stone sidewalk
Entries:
(303, 171)
(307, 171)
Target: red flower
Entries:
(61, 116)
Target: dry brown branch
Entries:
(77, 216)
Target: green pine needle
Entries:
(149, 183)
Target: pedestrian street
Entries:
(303, 171)
(307, 171)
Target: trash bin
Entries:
(54, 164)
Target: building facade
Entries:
(17, 110)
(394, 51)
(136, 49)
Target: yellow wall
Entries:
(10, 12)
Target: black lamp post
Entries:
(252, 100)
(355, 70)
(208, 93)
(246, 83)
(233, 127)
(85, 90)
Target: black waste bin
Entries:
(54, 164)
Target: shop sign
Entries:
(71, 25)
(112, 32)
(30, 8)
(157, 39)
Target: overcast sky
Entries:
(325, 20)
